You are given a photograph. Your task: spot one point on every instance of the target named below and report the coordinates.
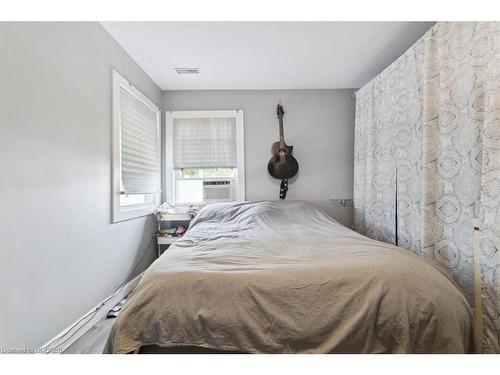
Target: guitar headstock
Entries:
(279, 111)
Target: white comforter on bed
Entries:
(284, 277)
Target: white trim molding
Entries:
(120, 213)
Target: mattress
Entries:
(285, 277)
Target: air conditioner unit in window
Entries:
(217, 191)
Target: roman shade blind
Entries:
(204, 142)
(140, 146)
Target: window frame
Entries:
(169, 149)
(121, 213)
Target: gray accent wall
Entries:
(59, 253)
(318, 123)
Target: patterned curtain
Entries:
(427, 157)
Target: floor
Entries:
(93, 341)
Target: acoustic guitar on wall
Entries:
(282, 164)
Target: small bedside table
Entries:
(171, 219)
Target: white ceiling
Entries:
(265, 55)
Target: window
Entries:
(205, 156)
(136, 152)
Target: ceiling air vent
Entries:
(187, 70)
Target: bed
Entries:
(285, 277)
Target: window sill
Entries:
(133, 213)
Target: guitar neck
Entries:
(282, 137)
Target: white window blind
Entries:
(140, 146)
(204, 143)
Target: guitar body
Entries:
(282, 169)
(282, 164)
